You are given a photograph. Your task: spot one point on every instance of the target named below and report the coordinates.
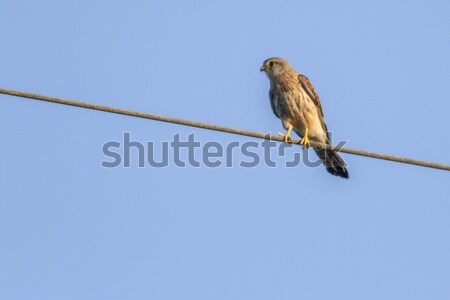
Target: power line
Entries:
(219, 128)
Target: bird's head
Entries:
(275, 66)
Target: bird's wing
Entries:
(272, 104)
(311, 91)
(309, 88)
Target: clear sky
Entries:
(71, 229)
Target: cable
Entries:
(220, 128)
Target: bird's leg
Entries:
(305, 140)
(287, 136)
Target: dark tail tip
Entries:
(340, 171)
(333, 162)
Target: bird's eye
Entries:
(271, 63)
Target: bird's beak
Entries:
(262, 69)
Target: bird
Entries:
(296, 103)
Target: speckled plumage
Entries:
(295, 101)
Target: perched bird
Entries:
(295, 102)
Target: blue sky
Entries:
(72, 229)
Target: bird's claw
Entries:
(305, 140)
(287, 137)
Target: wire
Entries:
(220, 128)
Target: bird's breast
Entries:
(289, 105)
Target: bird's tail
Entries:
(333, 162)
